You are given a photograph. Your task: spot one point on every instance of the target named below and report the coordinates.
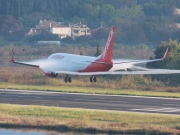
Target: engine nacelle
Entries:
(51, 74)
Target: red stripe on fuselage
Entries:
(98, 67)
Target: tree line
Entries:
(137, 22)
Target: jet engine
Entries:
(51, 74)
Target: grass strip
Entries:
(90, 90)
(87, 121)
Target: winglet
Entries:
(165, 54)
(12, 57)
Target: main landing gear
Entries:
(93, 79)
(67, 79)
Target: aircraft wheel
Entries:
(91, 79)
(65, 79)
(69, 80)
(94, 79)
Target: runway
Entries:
(92, 101)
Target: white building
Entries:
(73, 30)
(61, 30)
(177, 11)
(78, 30)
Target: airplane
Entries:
(71, 64)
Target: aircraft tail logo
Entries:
(107, 53)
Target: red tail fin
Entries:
(107, 53)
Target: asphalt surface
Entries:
(92, 101)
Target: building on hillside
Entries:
(42, 27)
(95, 31)
(52, 27)
(78, 30)
(73, 30)
(177, 11)
(61, 30)
(178, 25)
(32, 31)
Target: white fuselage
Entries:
(75, 63)
(68, 62)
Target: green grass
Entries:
(56, 118)
(91, 90)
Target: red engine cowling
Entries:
(51, 74)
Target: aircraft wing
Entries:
(133, 62)
(34, 63)
(28, 63)
(149, 71)
(41, 63)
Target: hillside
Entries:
(137, 22)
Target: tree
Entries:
(137, 21)
(37, 6)
(9, 27)
(98, 51)
(171, 62)
(80, 53)
(44, 36)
